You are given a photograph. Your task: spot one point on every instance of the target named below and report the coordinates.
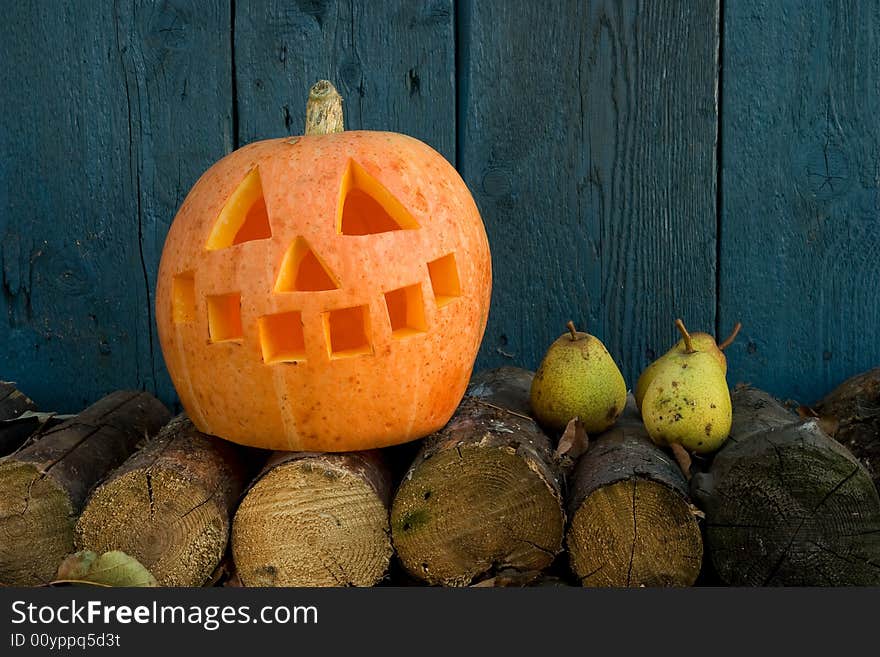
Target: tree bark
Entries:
(632, 523)
(44, 485)
(786, 505)
(508, 387)
(13, 433)
(483, 495)
(169, 505)
(12, 402)
(315, 520)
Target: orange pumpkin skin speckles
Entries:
(369, 337)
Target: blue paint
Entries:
(801, 180)
(587, 134)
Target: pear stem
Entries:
(572, 329)
(324, 109)
(730, 338)
(688, 344)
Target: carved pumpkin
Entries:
(326, 292)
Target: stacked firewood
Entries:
(491, 499)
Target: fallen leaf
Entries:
(573, 443)
(683, 458)
(114, 568)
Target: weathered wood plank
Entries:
(393, 62)
(589, 141)
(104, 133)
(800, 240)
(177, 65)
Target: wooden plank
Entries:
(112, 110)
(800, 241)
(588, 137)
(393, 62)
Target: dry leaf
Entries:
(573, 443)
(683, 458)
(114, 568)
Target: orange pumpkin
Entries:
(326, 292)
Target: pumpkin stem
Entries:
(324, 109)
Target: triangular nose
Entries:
(366, 207)
(303, 271)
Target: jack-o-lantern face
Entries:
(324, 293)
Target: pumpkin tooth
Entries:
(444, 279)
(347, 331)
(183, 298)
(282, 339)
(406, 311)
(224, 317)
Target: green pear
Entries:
(687, 401)
(578, 378)
(700, 342)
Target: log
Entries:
(482, 495)
(632, 522)
(169, 505)
(44, 485)
(314, 519)
(508, 387)
(786, 505)
(851, 413)
(13, 432)
(12, 402)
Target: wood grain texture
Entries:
(393, 62)
(785, 504)
(104, 133)
(800, 241)
(586, 130)
(588, 138)
(313, 519)
(482, 494)
(632, 523)
(169, 505)
(44, 485)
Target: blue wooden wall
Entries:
(633, 161)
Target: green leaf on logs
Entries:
(114, 568)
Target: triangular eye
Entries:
(244, 217)
(366, 207)
(303, 271)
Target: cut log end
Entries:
(162, 519)
(169, 505)
(472, 510)
(44, 485)
(314, 521)
(36, 525)
(635, 532)
(788, 506)
(632, 522)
